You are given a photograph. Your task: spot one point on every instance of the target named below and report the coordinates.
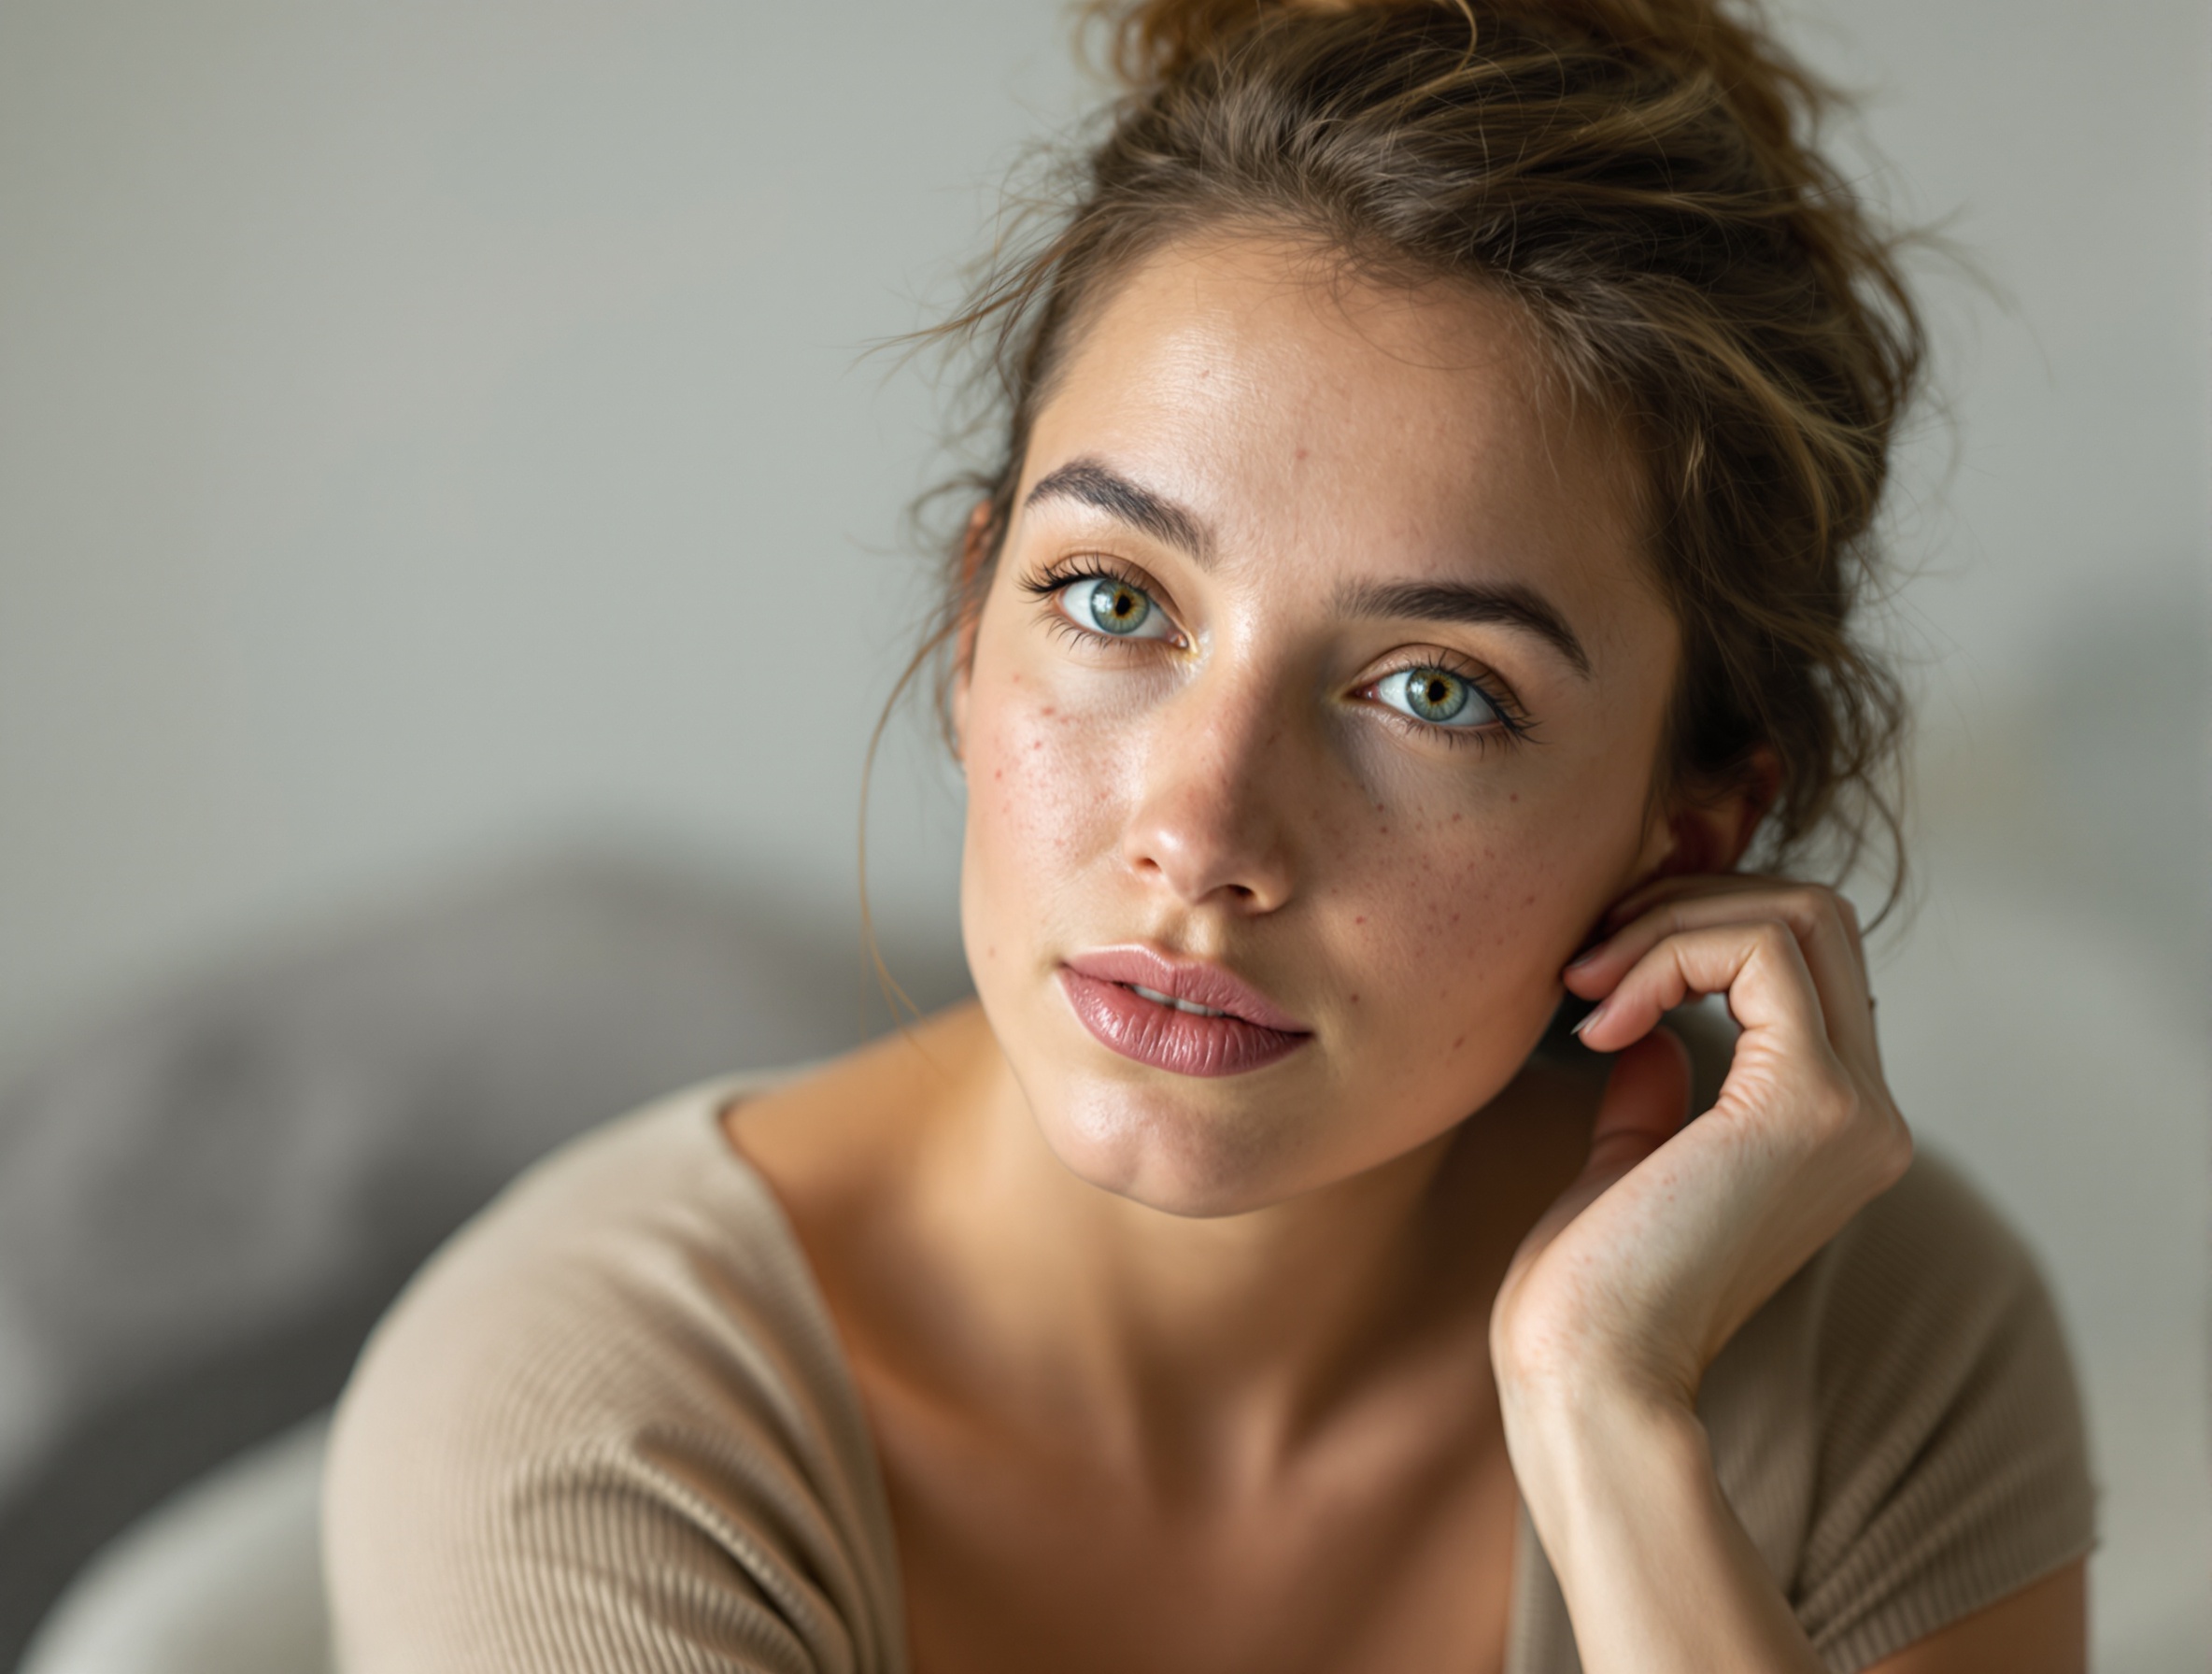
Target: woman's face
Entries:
(1320, 683)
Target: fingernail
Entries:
(1583, 957)
(1589, 1017)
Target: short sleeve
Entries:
(1950, 1466)
(606, 1429)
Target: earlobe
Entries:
(1761, 784)
(1712, 834)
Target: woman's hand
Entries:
(1673, 1234)
(1670, 1238)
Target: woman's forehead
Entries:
(1298, 410)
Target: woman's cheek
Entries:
(1465, 918)
(1041, 799)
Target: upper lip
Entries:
(1190, 980)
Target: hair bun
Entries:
(1152, 42)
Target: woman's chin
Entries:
(1198, 1158)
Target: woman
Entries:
(1441, 442)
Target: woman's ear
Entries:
(1712, 833)
(976, 541)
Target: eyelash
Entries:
(1513, 725)
(1064, 573)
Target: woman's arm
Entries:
(1659, 1574)
(2041, 1629)
(1674, 1235)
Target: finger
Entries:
(1647, 1100)
(1820, 920)
(1758, 964)
(1849, 910)
(1673, 885)
(1681, 886)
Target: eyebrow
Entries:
(1508, 604)
(1089, 483)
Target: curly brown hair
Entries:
(1642, 177)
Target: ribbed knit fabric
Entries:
(610, 1427)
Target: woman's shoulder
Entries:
(1899, 1428)
(648, 1228)
(610, 1413)
(1926, 1289)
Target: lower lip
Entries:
(1182, 1042)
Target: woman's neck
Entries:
(1226, 1340)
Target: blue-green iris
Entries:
(1116, 607)
(1437, 695)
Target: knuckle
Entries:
(1771, 937)
(1893, 1145)
(1812, 906)
(1868, 1127)
(1836, 1109)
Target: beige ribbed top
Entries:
(610, 1427)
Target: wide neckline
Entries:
(1525, 1586)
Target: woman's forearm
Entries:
(1659, 1575)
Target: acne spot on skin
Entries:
(1458, 1043)
(1302, 453)
(1456, 819)
(1355, 999)
(1360, 920)
(1050, 709)
(1514, 798)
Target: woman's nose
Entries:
(1209, 823)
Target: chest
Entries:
(1371, 1560)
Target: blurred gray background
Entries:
(436, 438)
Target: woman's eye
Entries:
(1437, 695)
(1115, 608)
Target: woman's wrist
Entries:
(1658, 1573)
(1581, 1444)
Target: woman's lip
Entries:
(1193, 982)
(1167, 1038)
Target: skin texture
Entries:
(1246, 1371)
